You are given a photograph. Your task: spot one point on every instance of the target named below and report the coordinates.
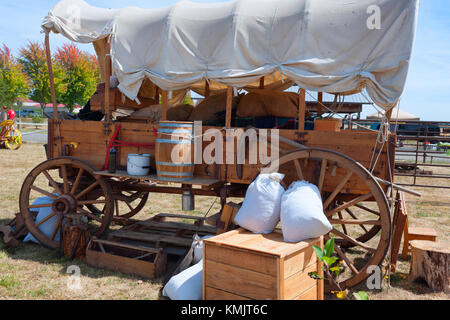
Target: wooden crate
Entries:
(140, 261)
(242, 265)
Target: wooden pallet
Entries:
(158, 232)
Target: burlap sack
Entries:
(180, 112)
(268, 103)
(151, 113)
(208, 108)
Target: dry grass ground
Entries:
(33, 272)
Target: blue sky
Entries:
(427, 91)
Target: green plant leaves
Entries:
(319, 252)
(361, 295)
(315, 275)
(329, 248)
(329, 260)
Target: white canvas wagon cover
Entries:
(328, 45)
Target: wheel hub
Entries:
(65, 204)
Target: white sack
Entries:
(302, 214)
(326, 45)
(260, 211)
(198, 248)
(186, 285)
(48, 226)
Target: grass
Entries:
(33, 272)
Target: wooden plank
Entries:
(300, 261)
(301, 110)
(216, 294)
(399, 222)
(165, 105)
(309, 294)
(147, 237)
(319, 103)
(244, 282)
(126, 265)
(181, 216)
(176, 226)
(297, 282)
(108, 73)
(154, 177)
(124, 245)
(272, 243)
(244, 259)
(227, 216)
(229, 107)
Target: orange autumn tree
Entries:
(81, 75)
(33, 59)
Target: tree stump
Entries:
(75, 237)
(430, 261)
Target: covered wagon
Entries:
(225, 50)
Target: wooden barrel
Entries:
(174, 152)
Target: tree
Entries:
(34, 62)
(13, 82)
(81, 75)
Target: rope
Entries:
(342, 117)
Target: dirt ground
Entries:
(33, 272)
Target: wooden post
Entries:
(50, 75)
(261, 83)
(229, 108)
(207, 89)
(107, 83)
(301, 110)
(319, 104)
(56, 132)
(165, 103)
(157, 94)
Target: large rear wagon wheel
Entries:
(72, 188)
(361, 220)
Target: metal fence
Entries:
(422, 153)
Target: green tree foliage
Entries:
(34, 62)
(13, 82)
(81, 75)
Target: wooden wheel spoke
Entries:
(367, 209)
(86, 191)
(77, 181)
(46, 193)
(129, 206)
(37, 206)
(58, 225)
(52, 182)
(337, 190)
(298, 168)
(358, 222)
(344, 228)
(117, 207)
(65, 179)
(45, 219)
(354, 217)
(323, 169)
(91, 202)
(350, 239)
(348, 204)
(342, 255)
(89, 214)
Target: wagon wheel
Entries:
(361, 222)
(13, 139)
(127, 204)
(72, 188)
